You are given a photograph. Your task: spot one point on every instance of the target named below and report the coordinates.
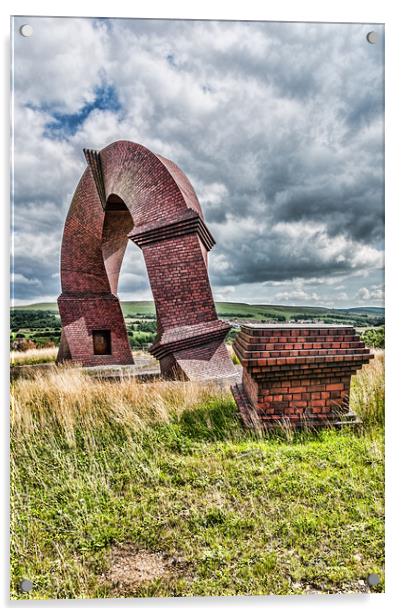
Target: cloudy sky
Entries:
(279, 127)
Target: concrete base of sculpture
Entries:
(297, 375)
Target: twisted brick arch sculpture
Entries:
(127, 192)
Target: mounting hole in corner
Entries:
(26, 30)
(26, 585)
(373, 579)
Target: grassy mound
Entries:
(160, 478)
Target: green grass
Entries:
(168, 468)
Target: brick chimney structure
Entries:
(129, 193)
(297, 374)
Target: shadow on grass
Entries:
(219, 421)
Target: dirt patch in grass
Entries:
(130, 567)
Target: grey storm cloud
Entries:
(278, 125)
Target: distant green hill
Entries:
(365, 310)
(241, 310)
(52, 306)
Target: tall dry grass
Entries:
(97, 463)
(367, 393)
(33, 356)
(49, 354)
(67, 402)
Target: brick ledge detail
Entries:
(189, 222)
(188, 336)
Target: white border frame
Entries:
(365, 11)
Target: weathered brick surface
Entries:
(129, 192)
(297, 373)
(80, 316)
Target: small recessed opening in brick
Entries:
(101, 341)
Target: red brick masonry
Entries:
(127, 192)
(297, 373)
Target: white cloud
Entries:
(372, 293)
(224, 294)
(211, 194)
(287, 165)
(61, 64)
(44, 169)
(21, 279)
(309, 240)
(296, 295)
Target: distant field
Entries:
(38, 325)
(242, 310)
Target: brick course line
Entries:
(300, 384)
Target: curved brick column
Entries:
(127, 192)
(297, 374)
